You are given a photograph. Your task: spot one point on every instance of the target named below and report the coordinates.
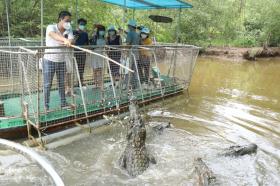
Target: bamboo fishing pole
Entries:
(100, 55)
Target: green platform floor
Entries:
(93, 102)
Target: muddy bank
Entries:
(240, 54)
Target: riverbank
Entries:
(240, 54)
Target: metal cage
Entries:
(38, 94)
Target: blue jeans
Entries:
(49, 69)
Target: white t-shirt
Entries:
(50, 42)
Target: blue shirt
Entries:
(82, 38)
(133, 38)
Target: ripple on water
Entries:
(17, 170)
(96, 160)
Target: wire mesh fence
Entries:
(51, 87)
(19, 42)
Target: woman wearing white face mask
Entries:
(114, 40)
(145, 57)
(97, 63)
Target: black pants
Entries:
(81, 60)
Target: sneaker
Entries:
(46, 109)
(65, 106)
(69, 93)
(78, 85)
(118, 84)
(83, 88)
(144, 86)
(151, 86)
(124, 87)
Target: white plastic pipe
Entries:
(35, 156)
(66, 141)
(69, 132)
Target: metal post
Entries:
(138, 77)
(178, 40)
(77, 11)
(9, 39)
(158, 74)
(8, 22)
(37, 61)
(178, 35)
(112, 83)
(81, 90)
(124, 13)
(133, 14)
(2, 110)
(38, 90)
(42, 22)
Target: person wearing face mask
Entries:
(133, 41)
(69, 56)
(97, 62)
(54, 58)
(132, 37)
(81, 39)
(145, 57)
(114, 40)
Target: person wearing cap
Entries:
(97, 62)
(114, 40)
(132, 37)
(145, 57)
(81, 39)
(133, 41)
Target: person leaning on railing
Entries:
(133, 41)
(97, 63)
(145, 58)
(114, 53)
(54, 59)
(81, 39)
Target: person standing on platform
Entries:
(145, 58)
(114, 52)
(133, 42)
(81, 39)
(97, 62)
(54, 58)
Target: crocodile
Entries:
(238, 150)
(203, 175)
(161, 126)
(135, 159)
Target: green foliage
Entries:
(243, 23)
(210, 23)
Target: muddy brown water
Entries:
(229, 103)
